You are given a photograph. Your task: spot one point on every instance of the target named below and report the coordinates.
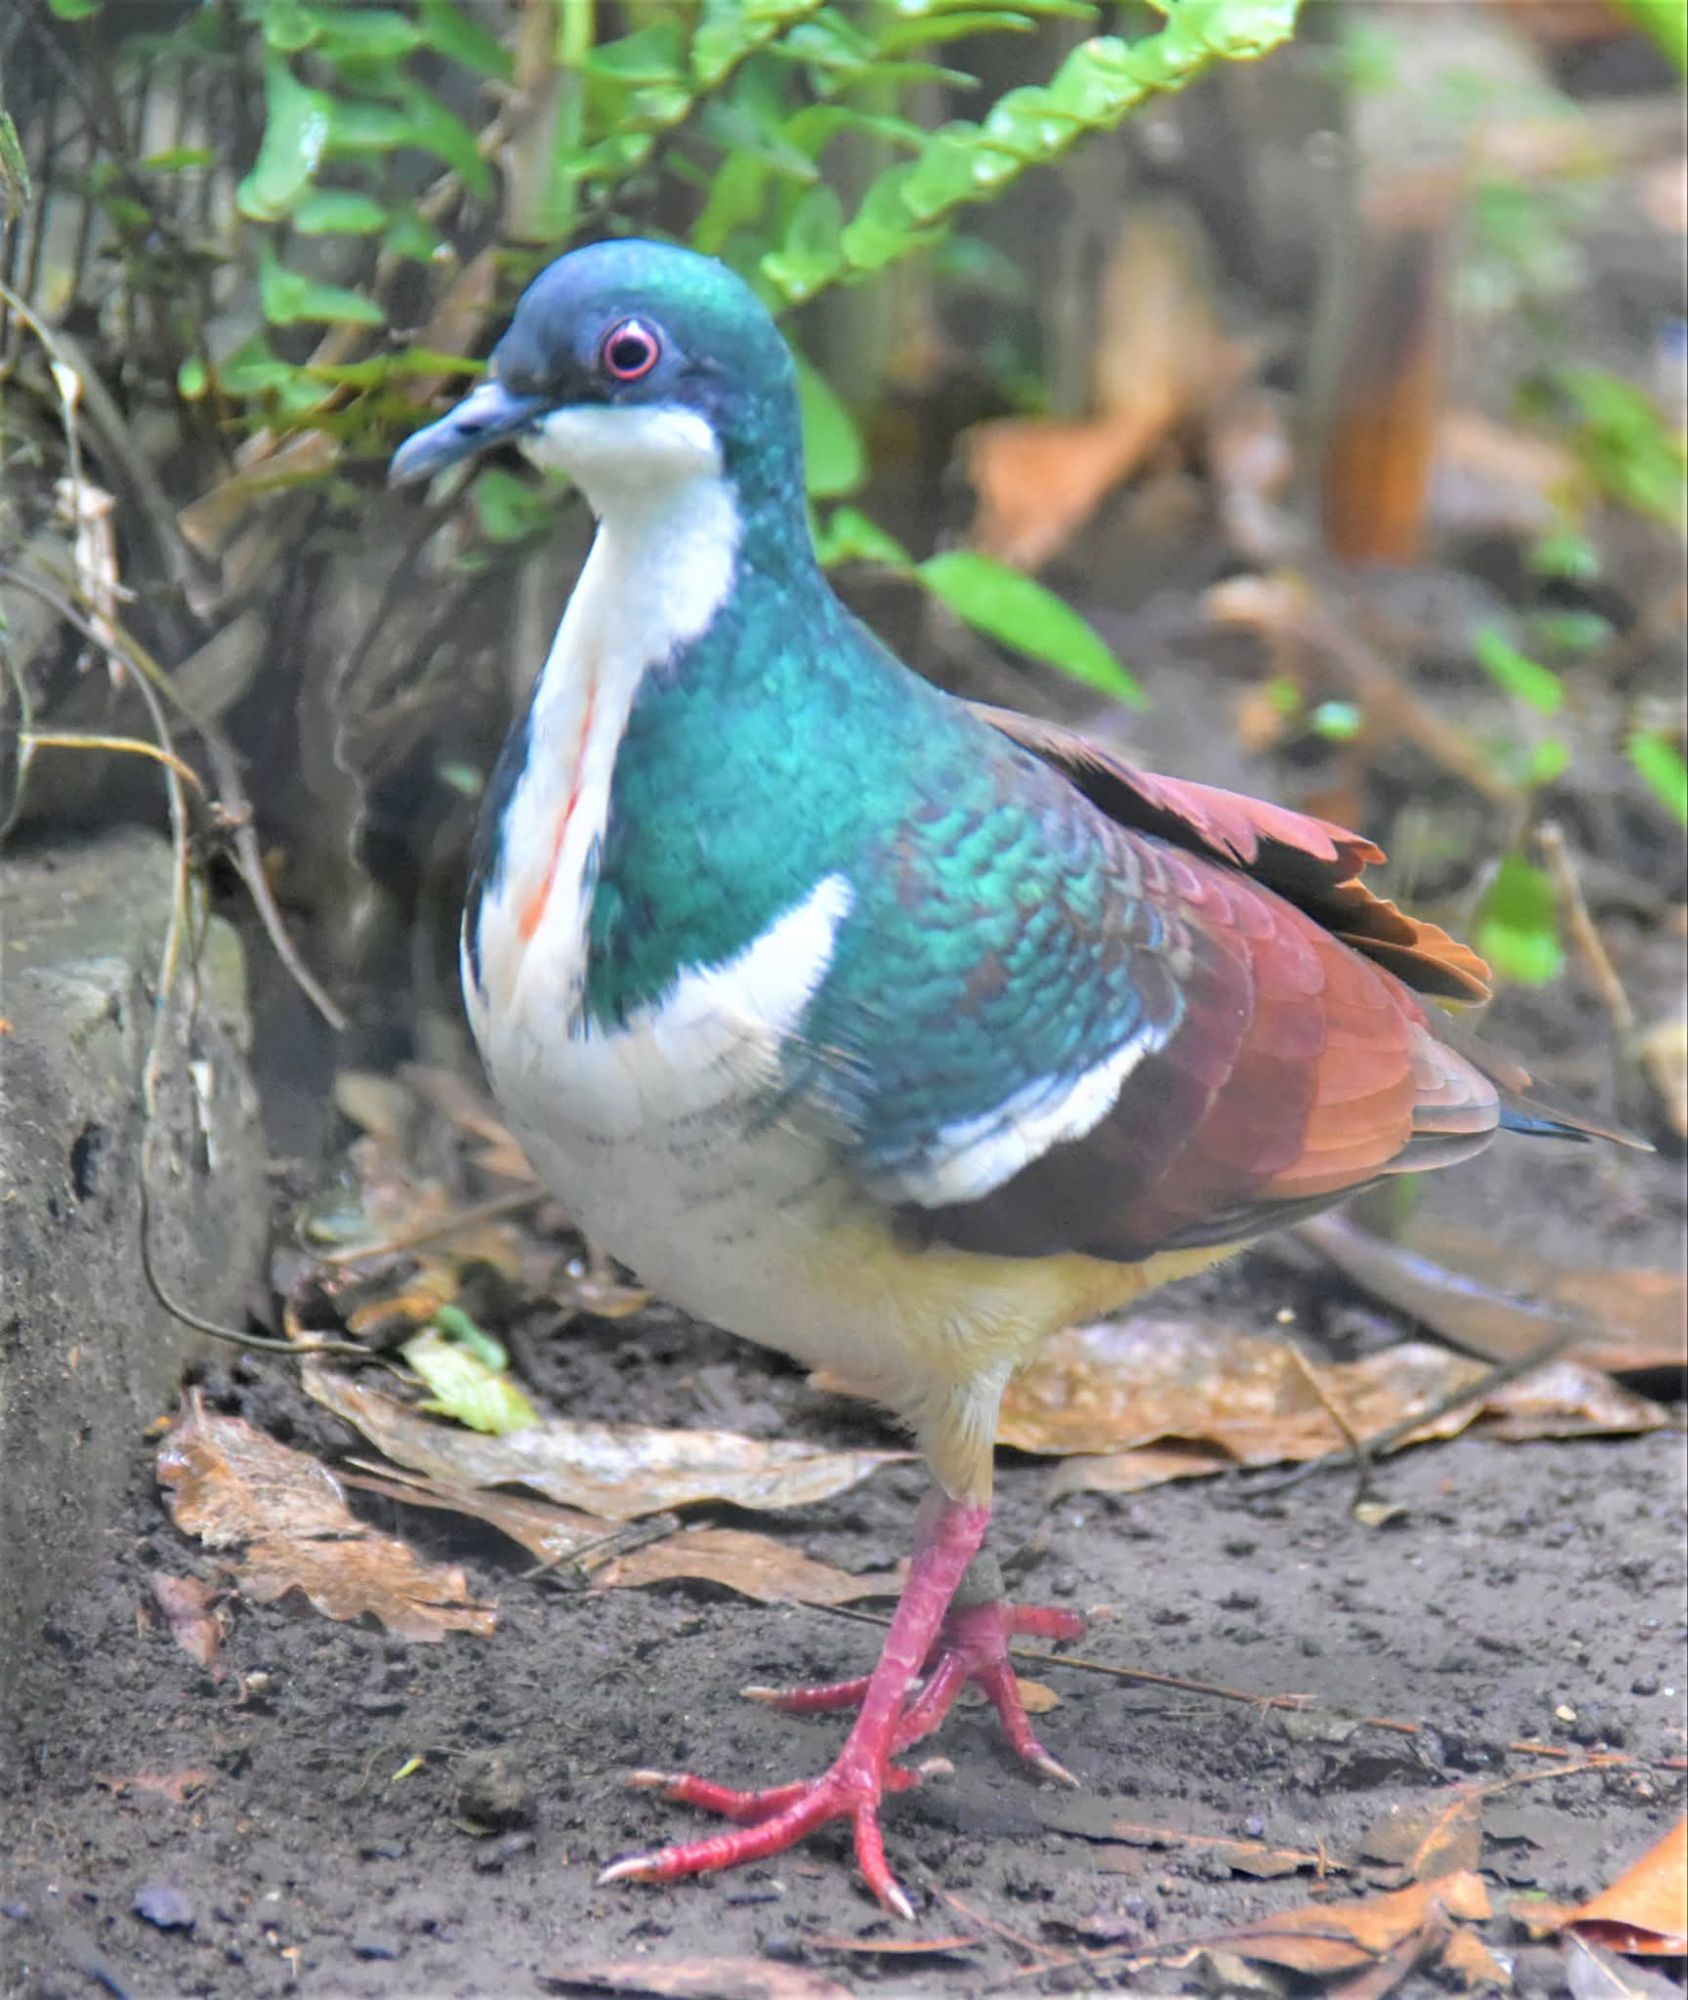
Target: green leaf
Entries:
(1549, 759)
(650, 55)
(465, 1388)
(1518, 924)
(1656, 757)
(441, 131)
(450, 32)
(287, 297)
(298, 122)
(730, 30)
(834, 460)
(73, 10)
(1516, 672)
(364, 34)
(812, 252)
(287, 27)
(338, 212)
(192, 380)
(361, 125)
(1337, 721)
(1626, 446)
(1564, 552)
(1023, 614)
(410, 235)
(847, 536)
(1666, 21)
(178, 159)
(509, 509)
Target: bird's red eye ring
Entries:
(629, 351)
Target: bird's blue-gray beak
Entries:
(488, 415)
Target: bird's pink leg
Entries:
(863, 1770)
(971, 1646)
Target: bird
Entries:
(891, 1032)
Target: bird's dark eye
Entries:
(630, 350)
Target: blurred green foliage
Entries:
(729, 109)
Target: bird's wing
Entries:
(1311, 862)
(1051, 1028)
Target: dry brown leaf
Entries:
(1036, 1697)
(754, 1565)
(1325, 1939)
(616, 1471)
(891, 1947)
(1161, 355)
(1466, 1958)
(1254, 1858)
(1473, 1291)
(465, 1107)
(180, 1788)
(1644, 1912)
(1443, 1836)
(187, 1607)
(1488, 478)
(699, 1979)
(1172, 1398)
(230, 1484)
(551, 1534)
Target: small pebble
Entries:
(163, 1905)
(493, 1791)
(371, 1947)
(505, 1848)
(1644, 1684)
(18, 1910)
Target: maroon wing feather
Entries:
(1299, 1071)
(1310, 862)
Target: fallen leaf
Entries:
(1502, 1300)
(180, 1788)
(465, 1387)
(616, 1471)
(1593, 1974)
(1324, 1939)
(700, 1979)
(1257, 1859)
(552, 1534)
(187, 1607)
(754, 1565)
(892, 1947)
(1161, 355)
(229, 1484)
(1644, 1912)
(1488, 478)
(1169, 1398)
(1036, 1697)
(1467, 1959)
(1441, 1837)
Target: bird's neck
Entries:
(668, 559)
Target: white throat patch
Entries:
(622, 456)
(660, 568)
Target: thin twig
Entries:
(31, 740)
(1085, 1665)
(237, 807)
(1584, 932)
(1378, 1443)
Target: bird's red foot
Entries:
(935, 1646)
(773, 1820)
(971, 1648)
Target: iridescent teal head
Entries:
(628, 365)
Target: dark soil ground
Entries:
(1526, 1593)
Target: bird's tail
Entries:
(1527, 1106)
